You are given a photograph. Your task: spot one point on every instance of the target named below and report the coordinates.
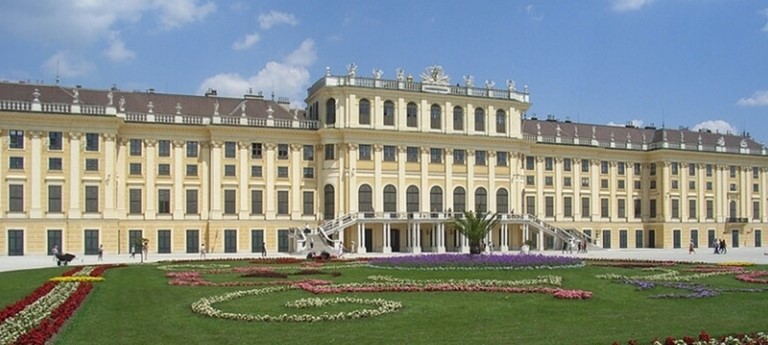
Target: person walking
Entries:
(691, 249)
(716, 244)
(263, 249)
(101, 252)
(133, 251)
(202, 251)
(723, 250)
(55, 252)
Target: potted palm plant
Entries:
(475, 226)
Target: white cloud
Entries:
(530, 10)
(629, 5)
(758, 98)
(287, 78)
(636, 123)
(765, 13)
(176, 13)
(716, 126)
(67, 65)
(273, 18)
(116, 50)
(247, 41)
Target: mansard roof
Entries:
(162, 103)
(630, 136)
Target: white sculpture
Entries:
(489, 84)
(377, 73)
(121, 103)
(511, 85)
(400, 74)
(110, 96)
(75, 96)
(327, 71)
(721, 141)
(216, 107)
(352, 70)
(743, 143)
(435, 75)
(469, 80)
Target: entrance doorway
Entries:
(394, 239)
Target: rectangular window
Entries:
(549, 164)
(54, 199)
(603, 167)
(192, 149)
(692, 209)
(567, 206)
(164, 169)
(435, 155)
(549, 206)
(604, 183)
(16, 198)
(230, 149)
(256, 171)
(691, 169)
(674, 184)
(585, 207)
(638, 168)
(459, 156)
(710, 209)
(639, 238)
(282, 172)
(585, 165)
(364, 152)
(191, 169)
(567, 164)
(638, 208)
(282, 151)
(622, 238)
(135, 168)
(530, 163)
(164, 201)
(92, 142)
(638, 184)
(164, 148)
(480, 158)
(620, 185)
(567, 182)
(755, 187)
(55, 141)
(756, 210)
(256, 150)
(257, 202)
(692, 185)
(229, 170)
(709, 170)
(282, 202)
(585, 181)
(16, 139)
(530, 205)
(675, 208)
(652, 209)
(191, 201)
(548, 181)
(620, 166)
(653, 169)
(54, 164)
(652, 184)
(308, 152)
(605, 210)
(92, 199)
(412, 154)
(135, 147)
(732, 171)
(308, 204)
(16, 163)
(230, 205)
(530, 180)
(390, 153)
(134, 201)
(501, 158)
(309, 172)
(329, 152)
(91, 164)
(674, 168)
(621, 207)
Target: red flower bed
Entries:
(710, 269)
(48, 327)
(15, 308)
(629, 263)
(264, 274)
(753, 277)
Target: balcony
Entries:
(737, 220)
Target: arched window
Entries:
(502, 201)
(436, 199)
(480, 119)
(390, 198)
(458, 118)
(329, 196)
(389, 113)
(411, 115)
(365, 198)
(459, 199)
(501, 121)
(481, 200)
(412, 199)
(330, 112)
(732, 209)
(435, 115)
(364, 109)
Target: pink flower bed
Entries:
(754, 277)
(344, 288)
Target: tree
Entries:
(475, 226)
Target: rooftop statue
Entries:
(435, 75)
(352, 69)
(469, 80)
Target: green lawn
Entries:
(136, 305)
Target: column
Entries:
(440, 237)
(701, 204)
(377, 168)
(36, 163)
(2, 159)
(341, 184)
(120, 176)
(517, 180)
(684, 214)
(471, 180)
(244, 175)
(215, 187)
(504, 246)
(630, 186)
(178, 179)
(539, 187)
(205, 181)
(415, 233)
(150, 212)
(75, 164)
(295, 176)
(385, 239)
(351, 193)
(269, 177)
(361, 235)
(613, 204)
(745, 209)
(401, 178)
(763, 197)
(110, 183)
(540, 242)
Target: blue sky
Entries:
(692, 63)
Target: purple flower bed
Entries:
(464, 261)
(696, 290)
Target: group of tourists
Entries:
(720, 247)
(568, 246)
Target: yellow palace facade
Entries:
(375, 165)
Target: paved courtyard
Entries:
(755, 255)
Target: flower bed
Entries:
(631, 263)
(37, 317)
(753, 277)
(760, 338)
(473, 262)
(664, 275)
(196, 279)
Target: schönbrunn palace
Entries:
(378, 165)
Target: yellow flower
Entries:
(72, 279)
